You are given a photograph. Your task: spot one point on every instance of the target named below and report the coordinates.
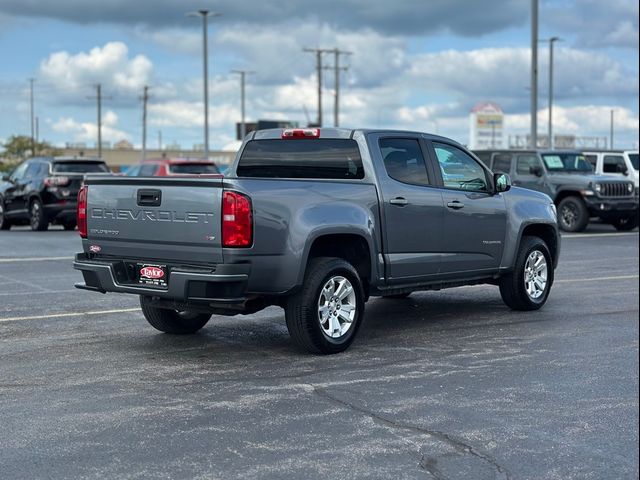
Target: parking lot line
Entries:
(70, 314)
(597, 279)
(594, 235)
(34, 259)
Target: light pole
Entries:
(205, 14)
(243, 125)
(552, 40)
(533, 136)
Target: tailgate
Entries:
(164, 219)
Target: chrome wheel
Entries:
(36, 212)
(569, 215)
(535, 274)
(337, 306)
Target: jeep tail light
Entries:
(301, 133)
(237, 220)
(81, 215)
(56, 181)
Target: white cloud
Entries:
(109, 65)
(88, 131)
(186, 114)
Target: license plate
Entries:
(152, 275)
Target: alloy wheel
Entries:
(337, 306)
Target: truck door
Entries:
(530, 172)
(475, 219)
(14, 196)
(411, 206)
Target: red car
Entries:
(164, 167)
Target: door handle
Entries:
(400, 201)
(456, 205)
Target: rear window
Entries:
(301, 158)
(79, 167)
(193, 168)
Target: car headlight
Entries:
(630, 187)
(598, 188)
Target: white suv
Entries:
(622, 163)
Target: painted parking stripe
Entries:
(34, 259)
(70, 314)
(596, 279)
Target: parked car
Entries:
(568, 178)
(316, 221)
(43, 190)
(163, 167)
(615, 163)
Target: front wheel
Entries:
(324, 316)
(626, 224)
(37, 217)
(172, 321)
(527, 286)
(573, 214)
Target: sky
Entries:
(414, 64)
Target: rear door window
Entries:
(79, 167)
(301, 158)
(403, 160)
(502, 163)
(525, 163)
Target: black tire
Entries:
(573, 214)
(69, 226)
(397, 296)
(172, 321)
(626, 224)
(512, 286)
(302, 311)
(5, 223)
(37, 217)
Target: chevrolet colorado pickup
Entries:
(316, 221)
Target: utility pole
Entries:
(337, 68)
(611, 131)
(98, 98)
(159, 140)
(551, 41)
(243, 125)
(33, 125)
(145, 99)
(205, 14)
(318, 52)
(534, 75)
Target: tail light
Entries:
(237, 220)
(301, 133)
(81, 216)
(56, 181)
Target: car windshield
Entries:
(634, 160)
(566, 162)
(193, 168)
(80, 167)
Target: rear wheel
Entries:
(626, 224)
(324, 316)
(37, 217)
(527, 286)
(172, 321)
(573, 215)
(5, 223)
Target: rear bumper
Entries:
(62, 212)
(216, 284)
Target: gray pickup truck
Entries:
(316, 221)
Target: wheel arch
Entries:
(547, 233)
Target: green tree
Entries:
(18, 147)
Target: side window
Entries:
(459, 170)
(502, 163)
(525, 163)
(613, 164)
(593, 160)
(148, 170)
(32, 171)
(19, 173)
(403, 160)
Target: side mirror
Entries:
(502, 182)
(6, 178)
(535, 170)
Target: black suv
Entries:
(43, 190)
(568, 179)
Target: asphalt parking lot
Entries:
(443, 385)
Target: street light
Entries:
(205, 14)
(551, 41)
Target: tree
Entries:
(18, 147)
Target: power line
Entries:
(318, 53)
(337, 69)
